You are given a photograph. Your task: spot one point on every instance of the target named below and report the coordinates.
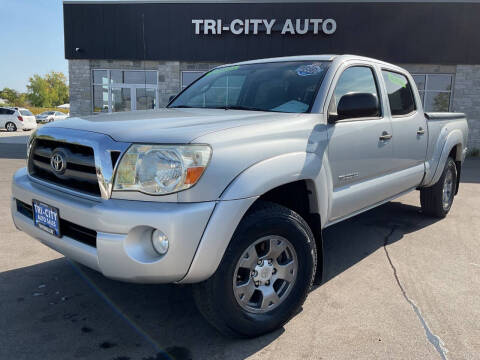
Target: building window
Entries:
(190, 76)
(124, 90)
(435, 91)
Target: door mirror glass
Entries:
(171, 98)
(357, 105)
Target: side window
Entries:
(355, 79)
(400, 94)
(2, 111)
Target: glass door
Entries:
(124, 90)
(121, 99)
(146, 98)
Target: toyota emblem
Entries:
(58, 162)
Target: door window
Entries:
(121, 99)
(146, 99)
(400, 94)
(355, 79)
(100, 98)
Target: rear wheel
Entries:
(264, 276)
(11, 127)
(437, 200)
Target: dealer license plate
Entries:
(46, 218)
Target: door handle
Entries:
(385, 136)
(420, 131)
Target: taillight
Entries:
(20, 118)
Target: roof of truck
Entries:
(326, 57)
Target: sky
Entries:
(31, 41)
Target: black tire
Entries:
(215, 297)
(10, 126)
(431, 198)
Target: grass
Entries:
(38, 110)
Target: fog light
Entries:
(160, 242)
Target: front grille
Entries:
(67, 228)
(80, 172)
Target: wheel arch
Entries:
(456, 153)
(453, 147)
(274, 180)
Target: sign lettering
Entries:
(267, 26)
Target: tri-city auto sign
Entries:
(267, 26)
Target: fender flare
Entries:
(453, 139)
(240, 195)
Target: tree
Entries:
(58, 83)
(50, 90)
(12, 96)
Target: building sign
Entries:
(267, 26)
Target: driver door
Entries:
(360, 149)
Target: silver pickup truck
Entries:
(230, 186)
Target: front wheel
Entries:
(264, 276)
(437, 200)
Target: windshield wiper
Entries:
(229, 107)
(239, 107)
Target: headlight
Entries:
(161, 169)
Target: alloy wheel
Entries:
(447, 193)
(265, 274)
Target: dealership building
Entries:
(134, 55)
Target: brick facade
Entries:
(466, 98)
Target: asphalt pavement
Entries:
(397, 285)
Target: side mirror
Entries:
(358, 105)
(171, 98)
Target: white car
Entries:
(49, 116)
(13, 119)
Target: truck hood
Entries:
(167, 125)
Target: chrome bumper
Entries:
(123, 248)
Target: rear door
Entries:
(409, 127)
(359, 149)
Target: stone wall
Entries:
(80, 87)
(466, 98)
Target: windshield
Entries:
(279, 86)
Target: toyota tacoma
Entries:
(230, 186)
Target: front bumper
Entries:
(123, 248)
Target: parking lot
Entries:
(397, 285)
